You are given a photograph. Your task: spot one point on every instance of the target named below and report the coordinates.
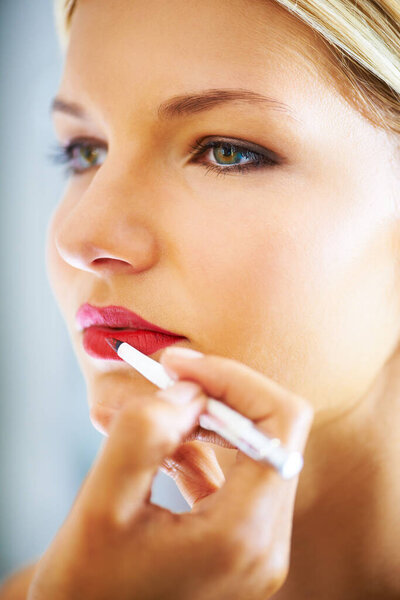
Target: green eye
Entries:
(223, 156)
(226, 154)
(85, 156)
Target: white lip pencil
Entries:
(229, 424)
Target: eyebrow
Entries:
(194, 103)
(188, 104)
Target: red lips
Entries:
(98, 323)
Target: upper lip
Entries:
(114, 316)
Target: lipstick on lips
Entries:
(100, 322)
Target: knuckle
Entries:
(130, 413)
(101, 418)
(230, 371)
(135, 420)
(147, 425)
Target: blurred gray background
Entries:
(47, 442)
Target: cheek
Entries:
(308, 301)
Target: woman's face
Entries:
(289, 267)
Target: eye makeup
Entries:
(220, 151)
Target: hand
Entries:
(234, 545)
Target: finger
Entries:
(196, 471)
(251, 393)
(276, 411)
(102, 417)
(144, 432)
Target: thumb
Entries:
(196, 471)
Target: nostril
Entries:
(111, 265)
(109, 261)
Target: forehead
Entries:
(129, 49)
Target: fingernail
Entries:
(180, 393)
(182, 352)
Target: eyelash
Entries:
(64, 155)
(260, 161)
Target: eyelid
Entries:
(241, 143)
(262, 158)
(86, 140)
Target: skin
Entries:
(304, 254)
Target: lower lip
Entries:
(144, 340)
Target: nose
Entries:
(104, 231)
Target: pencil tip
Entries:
(115, 344)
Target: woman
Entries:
(233, 177)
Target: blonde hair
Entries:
(363, 43)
